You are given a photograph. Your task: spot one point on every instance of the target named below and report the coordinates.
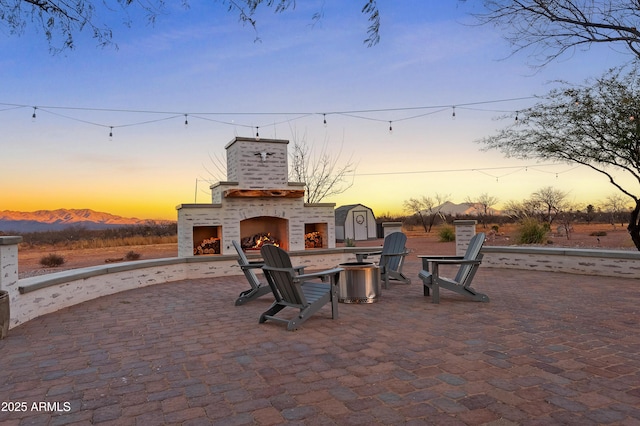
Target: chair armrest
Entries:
(369, 253)
(429, 257)
(456, 261)
(252, 265)
(319, 274)
(363, 255)
(404, 253)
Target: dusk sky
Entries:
(203, 63)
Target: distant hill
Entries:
(56, 220)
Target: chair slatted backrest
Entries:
(287, 290)
(472, 253)
(394, 243)
(243, 261)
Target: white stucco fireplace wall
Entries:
(257, 194)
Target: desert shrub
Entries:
(446, 234)
(349, 242)
(52, 260)
(495, 228)
(532, 231)
(598, 233)
(80, 237)
(132, 255)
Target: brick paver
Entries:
(548, 349)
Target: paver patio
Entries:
(548, 349)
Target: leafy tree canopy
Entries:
(596, 124)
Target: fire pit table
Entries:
(359, 282)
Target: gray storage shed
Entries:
(355, 221)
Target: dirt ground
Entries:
(418, 242)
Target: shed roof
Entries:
(342, 212)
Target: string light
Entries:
(431, 109)
(258, 132)
(390, 128)
(110, 133)
(517, 115)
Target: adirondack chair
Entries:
(248, 268)
(469, 264)
(296, 290)
(391, 258)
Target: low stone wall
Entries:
(609, 263)
(40, 295)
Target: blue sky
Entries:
(202, 60)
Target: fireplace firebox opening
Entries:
(261, 230)
(206, 240)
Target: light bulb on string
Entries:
(324, 119)
(186, 120)
(257, 133)
(390, 127)
(517, 115)
(33, 116)
(111, 133)
(453, 114)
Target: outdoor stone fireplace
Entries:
(256, 205)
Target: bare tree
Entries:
(566, 217)
(519, 210)
(428, 209)
(618, 208)
(417, 207)
(483, 205)
(551, 28)
(551, 202)
(596, 125)
(321, 172)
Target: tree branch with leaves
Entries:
(596, 124)
(62, 21)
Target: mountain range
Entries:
(55, 220)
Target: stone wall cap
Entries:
(561, 251)
(465, 222)
(198, 206)
(244, 139)
(10, 240)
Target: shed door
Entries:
(360, 225)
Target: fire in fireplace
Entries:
(256, 241)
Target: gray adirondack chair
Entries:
(391, 258)
(461, 284)
(248, 268)
(293, 290)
